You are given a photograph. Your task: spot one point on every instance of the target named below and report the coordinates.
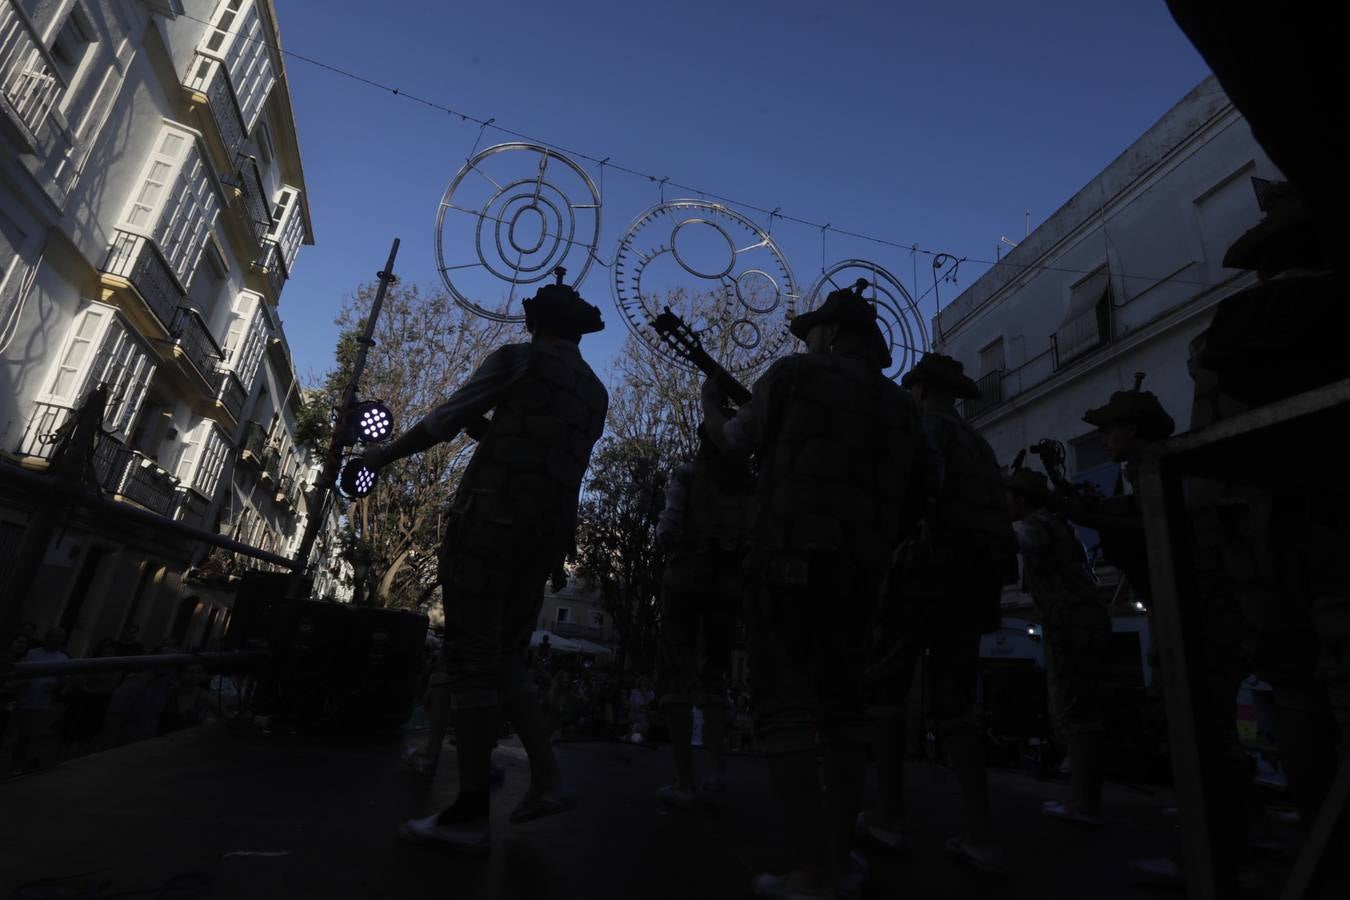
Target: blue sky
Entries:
(936, 124)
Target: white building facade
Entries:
(152, 206)
(1119, 280)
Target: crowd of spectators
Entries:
(48, 719)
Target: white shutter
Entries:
(251, 67)
(287, 224)
(214, 450)
(159, 172)
(71, 364)
(185, 466)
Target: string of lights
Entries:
(663, 181)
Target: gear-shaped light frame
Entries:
(546, 215)
(741, 314)
(897, 313)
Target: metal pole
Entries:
(333, 460)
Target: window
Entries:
(1087, 325)
(992, 358)
(287, 225)
(215, 449)
(263, 137)
(237, 37)
(563, 615)
(72, 43)
(246, 338)
(177, 195)
(120, 362)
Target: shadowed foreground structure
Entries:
(239, 815)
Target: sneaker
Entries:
(676, 796)
(787, 887)
(987, 859)
(1065, 813)
(465, 837)
(538, 804)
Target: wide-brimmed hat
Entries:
(1138, 406)
(1027, 482)
(848, 309)
(937, 369)
(561, 308)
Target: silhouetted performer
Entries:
(836, 443)
(1077, 633)
(703, 526)
(945, 592)
(511, 523)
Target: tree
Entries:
(616, 539)
(425, 347)
(654, 415)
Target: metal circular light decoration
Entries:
(356, 479)
(747, 296)
(897, 313)
(522, 210)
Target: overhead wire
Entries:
(662, 181)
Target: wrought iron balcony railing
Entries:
(30, 81)
(991, 394)
(231, 393)
(1082, 334)
(208, 75)
(145, 483)
(253, 199)
(578, 630)
(296, 492)
(191, 335)
(285, 486)
(271, 263)
(271, 464)
(40, 437)
(137, 259)
(253, 445)
(191, 507)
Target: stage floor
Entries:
(226, 813)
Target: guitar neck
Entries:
(735, 391)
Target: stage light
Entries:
(356, 479)
(370, 421)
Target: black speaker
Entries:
(334, 668)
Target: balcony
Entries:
(138, 479)
(991, 394)
(270, 464)
(29, 79)
(253, 198)
(231, 394)
(271, 264)
(1083, 331)
(193, 341)
(296, 493)
(285, 491)
(136, 260)
(208, 78)
(191, 507)
(43, 432)
(577, 630)
(253, 445)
